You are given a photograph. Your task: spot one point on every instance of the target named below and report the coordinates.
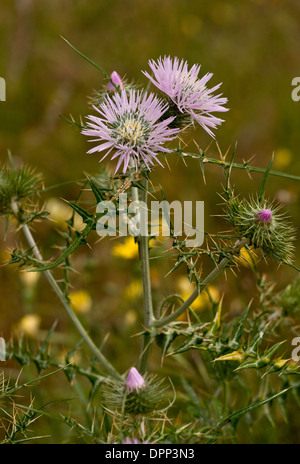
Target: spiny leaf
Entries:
(80, 240)
(234, 417)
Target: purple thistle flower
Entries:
(187, 91)
(265, 215)
(116, 79)
(129, 123)
(134, 380)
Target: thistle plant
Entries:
(135, 131)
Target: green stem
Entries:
(32, 244)
(179, 311)
(145, 269)
(246, 166)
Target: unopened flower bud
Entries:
(116, 82)
(134, 380)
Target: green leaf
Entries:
(98, 192)
(239, 328)
(80, 240)
(87, 59)
(84, 214)
(234, 417)
(262, 187)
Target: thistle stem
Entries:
(179, 311)
(148, 306)
(64, 301)
(143, 242)
(245, 166)
(144, 257)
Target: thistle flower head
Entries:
(187, 91)
(116, 82)
(129, 125)
(134, 380)
(262, 222)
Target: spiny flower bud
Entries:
(137, 395)
(115, 82)
(16, 185)
(134, 380)
(261, 222)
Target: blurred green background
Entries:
(252, 47)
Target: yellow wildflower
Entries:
(81, 301)
(186, 288)
(133, 290)
(29, 279)
(29, 324)
(283, 158)
(60, 211)
(248, 257)
(130, 317)
(126, 250)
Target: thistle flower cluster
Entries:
(137, 396)
(16, 185)
(135, 126)
(266, 227)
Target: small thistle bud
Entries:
(137, 395)
(262, 223)
(134, 380)
(116, 82)
(17, 185)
